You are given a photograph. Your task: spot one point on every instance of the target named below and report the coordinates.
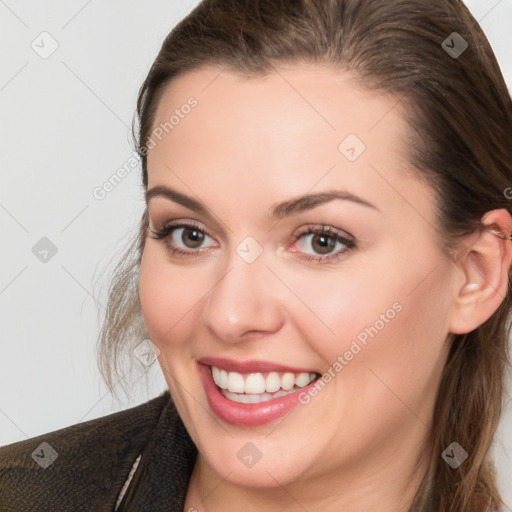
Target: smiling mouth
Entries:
(253, 388)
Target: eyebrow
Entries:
(279, 210)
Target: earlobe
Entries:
(485, 268)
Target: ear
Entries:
(484, 269)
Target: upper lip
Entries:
(250, 366)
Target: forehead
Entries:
(292, 99)
(292, 129)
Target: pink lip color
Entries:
(231, 365)
(247, 415)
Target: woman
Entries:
(322, 269)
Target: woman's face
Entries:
(369, 310)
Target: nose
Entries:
(244, 302)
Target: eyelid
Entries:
(327, 228)
(168, 227)
(338, 235)
(170, 216)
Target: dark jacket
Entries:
(85, 466)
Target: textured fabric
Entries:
(93, 462)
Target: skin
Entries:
(251, 143)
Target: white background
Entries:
(65, 129)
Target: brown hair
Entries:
(460, 129)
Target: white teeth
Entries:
(288, 381)
(235, 382)
(254, 384)
(259, 385)
(245, 399)
(272, 382)
(255, 399)
(303, 379)
(223, 379)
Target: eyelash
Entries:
(164, 232)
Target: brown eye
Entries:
(182, 239)
(323, 244)
(192, 238)
(323, 241)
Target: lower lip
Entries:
(247, 415)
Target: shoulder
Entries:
(80, 467)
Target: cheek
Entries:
(399, 343)
(385, 358)
(392, 322)
(169, 297)
(340, 307)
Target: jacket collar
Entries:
(161, 478)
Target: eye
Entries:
(324, 239)
(188, 234)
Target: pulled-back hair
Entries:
(459, 115)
